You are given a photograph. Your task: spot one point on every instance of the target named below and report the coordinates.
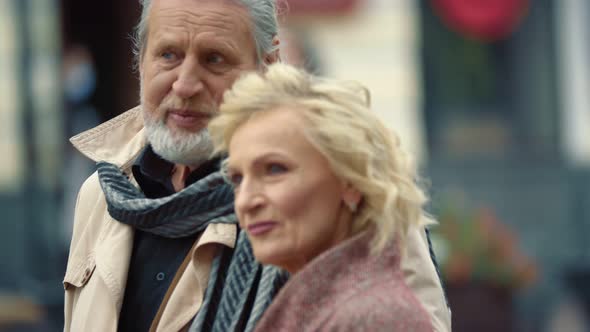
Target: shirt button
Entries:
(160, 276)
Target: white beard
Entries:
(185, 148)
(180, 147)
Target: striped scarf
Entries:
(209, 200)
(239, 288)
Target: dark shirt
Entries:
(154, 259)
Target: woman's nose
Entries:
(249, 197)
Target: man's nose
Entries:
(188, 82)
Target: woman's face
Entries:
(287, 198)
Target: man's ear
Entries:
(274, 56)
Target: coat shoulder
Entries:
(90, 197)
(89, 216)
(379, 311)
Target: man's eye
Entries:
(215, 58)
(275, 168)
(168, 55)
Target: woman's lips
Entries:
(261, 228)
(187, 119)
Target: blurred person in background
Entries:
(79, 84)
(155, 244)
(325, 192)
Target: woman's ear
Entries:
(351, 197)
(274, 56)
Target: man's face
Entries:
(195, 50)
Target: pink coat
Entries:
(347, 289)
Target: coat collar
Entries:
(351, 259)
(118, 141)
(341, 273)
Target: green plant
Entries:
(474, 245)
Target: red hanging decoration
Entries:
(486, 20)
(321, 6)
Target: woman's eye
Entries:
(235, 179)
(276, 168)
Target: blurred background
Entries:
(490, 96)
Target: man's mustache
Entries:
(173, 102)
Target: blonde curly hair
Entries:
(341, 126)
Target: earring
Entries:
(351, 205)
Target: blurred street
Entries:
(491, 97)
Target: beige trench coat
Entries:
(101, 248)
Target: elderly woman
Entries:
(324, 191)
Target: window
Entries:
(492, 101)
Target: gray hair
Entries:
(263, 15)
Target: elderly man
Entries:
(156, 244)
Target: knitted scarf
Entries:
(239, 288)
(209, 200)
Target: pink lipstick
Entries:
(261, 228)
